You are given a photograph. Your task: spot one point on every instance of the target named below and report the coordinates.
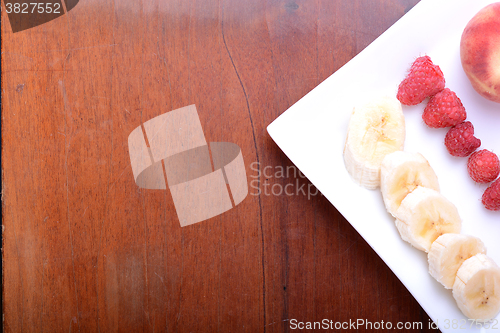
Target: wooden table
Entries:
(85, 249)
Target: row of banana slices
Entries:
(374, 157)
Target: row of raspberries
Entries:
(444, 109)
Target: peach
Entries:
(480, 52)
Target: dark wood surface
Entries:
(85, 249)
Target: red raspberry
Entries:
(460, 140)
(444, 110)
(483, 166)
(491, 197)
(424, 79)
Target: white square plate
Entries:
(312, 134)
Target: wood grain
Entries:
(85, 249)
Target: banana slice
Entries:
(477, 288)
(447, 254)
(424, 215)
(375, 130)
(401, 172)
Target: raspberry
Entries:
(491, 197)
(444, 110)
(483, 166)
(424, 79)
(460, 140)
